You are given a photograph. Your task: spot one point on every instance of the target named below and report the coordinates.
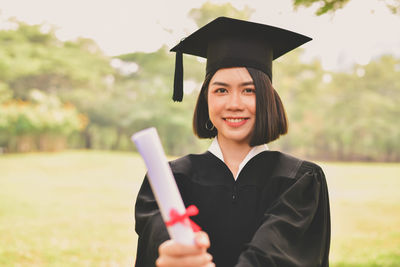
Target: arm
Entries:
(149, 226)
(295, 231)
(154, 247)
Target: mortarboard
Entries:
(227, 42)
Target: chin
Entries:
(238, 138)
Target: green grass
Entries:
(365, 210)
(76, 209)
(69, 209)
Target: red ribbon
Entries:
(175, 217)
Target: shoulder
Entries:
(187, 164)
(300, 175)
(292, 167)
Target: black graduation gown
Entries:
(275, 214)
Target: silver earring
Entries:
(208, 126)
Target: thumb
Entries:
(202, 240)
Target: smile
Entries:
(235, 122)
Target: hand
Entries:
(175, 254)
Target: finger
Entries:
(172, 248)
(203, 259)
(202, 240)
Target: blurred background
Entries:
(78, 78)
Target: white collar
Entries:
(216, 150)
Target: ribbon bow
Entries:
(175, 217)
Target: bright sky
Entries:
(362, 30)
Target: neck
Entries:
(233, 153)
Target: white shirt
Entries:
(216, 150)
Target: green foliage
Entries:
(298, 85)
(32, 59)
(326, 6)
(333, 115)
(43, 116)
(393, 5)
(161, 63)
(371, 95)
(330, 6)
(151, 86)
(208, 11)
(5, 92)
(350, 117)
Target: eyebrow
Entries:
(225, 84)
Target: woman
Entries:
(257, 207)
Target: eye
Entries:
(220, 90)
(249, 90)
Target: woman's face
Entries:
(232, 104)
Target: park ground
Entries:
(75, 208)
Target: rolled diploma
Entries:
(163, 183)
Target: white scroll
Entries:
(163, 184)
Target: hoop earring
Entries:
(208, 127)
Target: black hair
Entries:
(271, 120)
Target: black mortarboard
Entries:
(227, 42)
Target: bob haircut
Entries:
(271, 121)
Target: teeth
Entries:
(234, 120)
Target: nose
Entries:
(235, 101)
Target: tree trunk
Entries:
(88, 139)
(117, 142)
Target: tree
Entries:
(32, 58)
(328, 6)
(152, 83)
(208, 11)
(42, 122)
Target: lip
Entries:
(235, 121)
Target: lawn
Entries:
(76, 209)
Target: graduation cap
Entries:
(227, 42)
